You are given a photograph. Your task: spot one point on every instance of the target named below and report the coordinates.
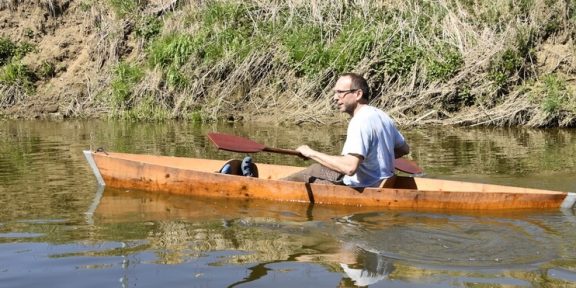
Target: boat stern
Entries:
(570, 201)
(90, 158)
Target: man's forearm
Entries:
(335, 163)
(401, 151)
(343, 164)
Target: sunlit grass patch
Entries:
(126, 76)
(17, 74)
(553, 94)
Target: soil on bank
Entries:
(455, 62)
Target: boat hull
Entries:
(189, 176)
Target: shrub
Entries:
(17, 74)
(46, 70)
(148, 27)
(555, 94)
(351, 45)
(399, 59)
(175, 79)
(170, 50)
(444, 64)
(125, 7)
(126, 76)
(147, 108)
(304, 47)
(504, 66)
(7, 50)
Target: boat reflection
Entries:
(253, 233)
(355, 246)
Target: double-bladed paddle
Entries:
(243, 145)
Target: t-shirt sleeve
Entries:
(357, 139)
(398, 138)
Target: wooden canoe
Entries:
(191, 176)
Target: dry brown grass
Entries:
(267, 85)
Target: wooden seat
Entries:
(389, 182)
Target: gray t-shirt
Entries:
(372, 134)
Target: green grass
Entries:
(10, 50)
(126, 76)
(304, 47)
(444, 63)
(175, 79)
(503, 66)
(123, 8)
(242, 52)
(86, 5)
(174, 49)
(7, 50)
(148, 27)
(555, 95)
(46, 70)
(147, 109)
(16, 73)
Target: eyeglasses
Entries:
(342, 93)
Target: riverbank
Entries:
(444, 62)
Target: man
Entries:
(372, 141)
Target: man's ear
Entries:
(359, 95)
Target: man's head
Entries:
(350, 90)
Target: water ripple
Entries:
(443, 239)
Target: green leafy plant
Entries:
(28, 32)
(46, 70)
(148, 27)
(175, 78)
(17, 74)
(86, 5)
(174, 49)
(147, 108)
(23, 49)
(303, 45)
(444, 63)
(126, 76)
(125, 7)
(7, 50)
(556, 94)
(503, 66)
(400, 59)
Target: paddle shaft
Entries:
(282, 151)
(239, 144)
(401, 164)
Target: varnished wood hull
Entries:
(189, 176)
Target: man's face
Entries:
(345, 97)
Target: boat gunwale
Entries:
(521, 190)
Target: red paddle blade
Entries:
(235, 143)
(407, 166)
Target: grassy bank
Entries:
(460, 62)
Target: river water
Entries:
(58, 229)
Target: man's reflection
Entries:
(368, 268)
(360, 266)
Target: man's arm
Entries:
(402, 150)
(347, 164)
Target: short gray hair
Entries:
(358, 82)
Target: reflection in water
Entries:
(365, 247)
(53, 226)
(369, 268)
(282, 233)
(452, 240)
